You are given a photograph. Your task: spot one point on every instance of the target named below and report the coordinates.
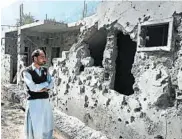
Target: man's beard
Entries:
(41, 64)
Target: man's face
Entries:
(41, 59)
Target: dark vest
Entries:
(37, 80)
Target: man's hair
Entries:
(36, 53)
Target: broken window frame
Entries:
(153, 23)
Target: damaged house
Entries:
(118, 71)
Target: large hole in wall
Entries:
(97, 44)
(124, 79)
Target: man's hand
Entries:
(44, 90)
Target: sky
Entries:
(67, 11)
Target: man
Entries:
(39, 116)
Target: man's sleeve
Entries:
(50, 79)
(31, 84)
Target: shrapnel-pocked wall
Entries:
(131, 93)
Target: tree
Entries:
(26, 19)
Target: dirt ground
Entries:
(12, 122)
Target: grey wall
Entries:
(87, 95)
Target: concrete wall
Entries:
(9, 56)
(63, 40)
(68, 39)
(6, 69)
(87, 95)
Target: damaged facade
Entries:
(122, 75)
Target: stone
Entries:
(88, 61)
(179, 79)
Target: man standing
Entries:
(39, 115)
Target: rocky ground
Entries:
(12, 122)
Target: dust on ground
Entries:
(12, 121)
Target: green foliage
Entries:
(26, 19)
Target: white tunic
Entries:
(39, 119)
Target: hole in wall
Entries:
(124, 79)
(82, 68)
(97, 44)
